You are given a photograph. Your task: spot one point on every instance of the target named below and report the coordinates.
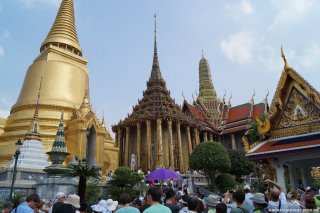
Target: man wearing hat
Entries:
(60, 198)
(211, 202)
(259, 203)
(70, 205)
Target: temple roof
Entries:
(63, 31)
(156, 101)
(288, 145)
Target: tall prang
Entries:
(65, 86)
(156, 133)
(207, 93)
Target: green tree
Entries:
(93, 191)
(83, 171)
(210, 157)
(240, 164)
(124, 181)
(225, 182)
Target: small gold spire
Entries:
(63, 32)
(184, 98)
(254, 94)
(202, 54)
(286, 65)
(224, 97)
(102, 120)
(229, 102)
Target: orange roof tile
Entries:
(258, 109)
(239, 112)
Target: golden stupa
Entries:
(64, 88)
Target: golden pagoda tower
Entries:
(65, 88)
(207, 93)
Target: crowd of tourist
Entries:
(168, 199)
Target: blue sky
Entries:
(240, 38)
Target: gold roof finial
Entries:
(229, 102)
(224, 97)
(102, 120)
(202, 54)
(184, 98)
(63, 31)
(252, 98)
(286, 65)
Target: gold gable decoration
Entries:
(298, 111)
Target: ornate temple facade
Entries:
(65, 88)
(290, 134)
(156, 133)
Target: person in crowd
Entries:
(294, 205)
(221, 208)
(70, 205)
(83, 208)
(200, 208)
(111, 205)
(41, 207)
(277, 199)
(248, 201)
(184, 203)
(100, 207)
(29, 205)
(239, 198)
(154, 196)
(137, 203)
(145, 204)
(125, 201)
(171, 201)
(259, 203)
(60, 198)
(6, 207)
(211, 202)
(310, 201)
(193, 204)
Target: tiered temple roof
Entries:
(156, 101)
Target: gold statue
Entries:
(245, 144)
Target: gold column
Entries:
(189, 140)
(126, 147)
(120, 147)
(210, 137)
(171, 161)
(148, 144)
(179, 147)
(138, 144)
(205, 136)
(233, 141)
(159, 142)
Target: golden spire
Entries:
(252, 98)
(155, 73)
(63, 32)
(33, 133)
(102, 120)
(286, 65)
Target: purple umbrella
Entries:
(163, 174)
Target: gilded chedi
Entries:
(65, 88)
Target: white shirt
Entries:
(275, 205)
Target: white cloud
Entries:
(246, 7)
(290, 12)
(238, 47)
(310, 58)
(1, 51)
(32, 4)
(238, 10)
